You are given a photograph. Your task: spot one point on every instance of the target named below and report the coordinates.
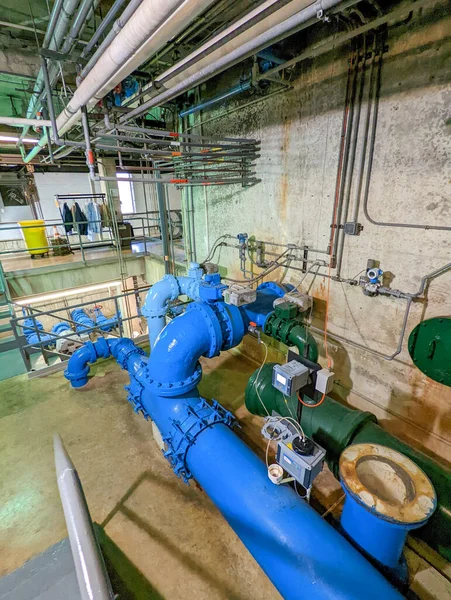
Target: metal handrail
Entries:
(141, 227)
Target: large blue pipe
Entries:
(301, 554)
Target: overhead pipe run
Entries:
(60, 18)
(298, 550)
(19, 122)
(236, 43)
(152, 25)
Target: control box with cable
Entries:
(298, 455)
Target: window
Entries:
(126, 193)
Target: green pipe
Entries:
(335, 426)
(38, 147)
(285, 325)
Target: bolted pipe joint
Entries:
(124, 350)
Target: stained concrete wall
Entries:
(300, 132)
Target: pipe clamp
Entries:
(184, 433)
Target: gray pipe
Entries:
(77, 25)
(350, 172)
(56, 36)
(370, 166)
(91, 572)
(102, 27)
(117, 26)
(52, 22)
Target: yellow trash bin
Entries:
(35, 237)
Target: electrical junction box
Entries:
(238, 295)
(303, 467)
(324, 381)
(290, 377)
(302, 301)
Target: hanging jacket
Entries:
(80, 216)
(94, 217)
(67, 218)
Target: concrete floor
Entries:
(170, 534)
(170, 531)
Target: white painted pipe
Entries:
(91, 573)
(19, 122)
(151, 26)
(231, 46)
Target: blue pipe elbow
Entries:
(124, 351)
(61, 327)
(169, 288)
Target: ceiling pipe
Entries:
(152, 25)
(103, 25)
(62, 13)
(234, 44)
(116, 28)
(19, 122)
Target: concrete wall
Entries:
(300, 132)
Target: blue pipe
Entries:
(259, 311)
(301, 554)
(82, 320)
(169, 288)
(29, 330)
(61, 327)
(237, 89)
(104, 323)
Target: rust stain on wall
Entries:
(284, 181)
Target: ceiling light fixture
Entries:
(65, 293)
(11, 138)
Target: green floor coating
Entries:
(11, 364)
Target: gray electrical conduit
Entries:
(370, 167)
(410, 299)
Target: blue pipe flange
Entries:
(184, 433)
(210, 316)
(176, 388)
(122, 349)
(231, 322)
(135, 390)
